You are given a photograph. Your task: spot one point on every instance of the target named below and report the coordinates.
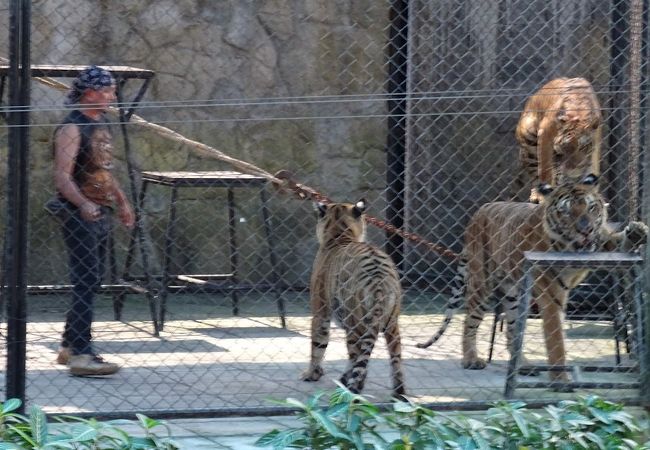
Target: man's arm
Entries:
(66, 149)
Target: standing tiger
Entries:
(559, 133)
(572, 218)
(358, 284)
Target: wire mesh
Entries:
(302, 86)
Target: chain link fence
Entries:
(410, 105)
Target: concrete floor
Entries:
(207, 361)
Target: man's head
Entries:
(94, 86)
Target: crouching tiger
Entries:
(572, 218)
(559, 133)
(358, 284)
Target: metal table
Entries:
(229, 282)
(621, 261)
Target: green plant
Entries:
(349, 421)
(18, 432)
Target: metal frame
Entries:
(185, 283)
(597, 260)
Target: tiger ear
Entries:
(320, 208)
(544, 189)
(590, 180)
(359, 207)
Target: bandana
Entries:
(93, 77)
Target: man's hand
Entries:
(90, 211)
(126, 215)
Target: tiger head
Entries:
(341, 222)
(574, 213)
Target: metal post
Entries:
(644, 320)
(518, 338)
(17, 197)
(272, 257)
(234, 252)
(636, 32)
(396, 139)
(167, 258)
(617, 68)
(139, 220)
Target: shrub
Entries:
(349, 421)
(18, 432)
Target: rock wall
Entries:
(217, 62)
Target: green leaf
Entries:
(404, 407)
(329, 426)
(353, 424)
(521, 423)
(84, 435)
(293, 402)
(593, 437)
(267, 439)
(26, 436)
(38, 424)
(601, 415)
(9, 446)
(147, 422)
(338, 409)
(142, 443)
(61, 444)
(11, 405)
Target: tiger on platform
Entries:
(572, 218)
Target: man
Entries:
(84, 183)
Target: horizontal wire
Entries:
(304, 118)
(320, 99)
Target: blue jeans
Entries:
(86, 243)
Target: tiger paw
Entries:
(474, 364)
(535, 196)
(636, 234)
(312, 374)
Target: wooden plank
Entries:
(206, 178)
(45, 289)
(196, 280)
(71, 71)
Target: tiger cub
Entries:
(572, 218)
(559, 133)
(358, 284)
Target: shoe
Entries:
(89, 365)
(63, 357)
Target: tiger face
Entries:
(574, 214)
(341, 221)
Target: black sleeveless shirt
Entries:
(87, 127)
(94, 160)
